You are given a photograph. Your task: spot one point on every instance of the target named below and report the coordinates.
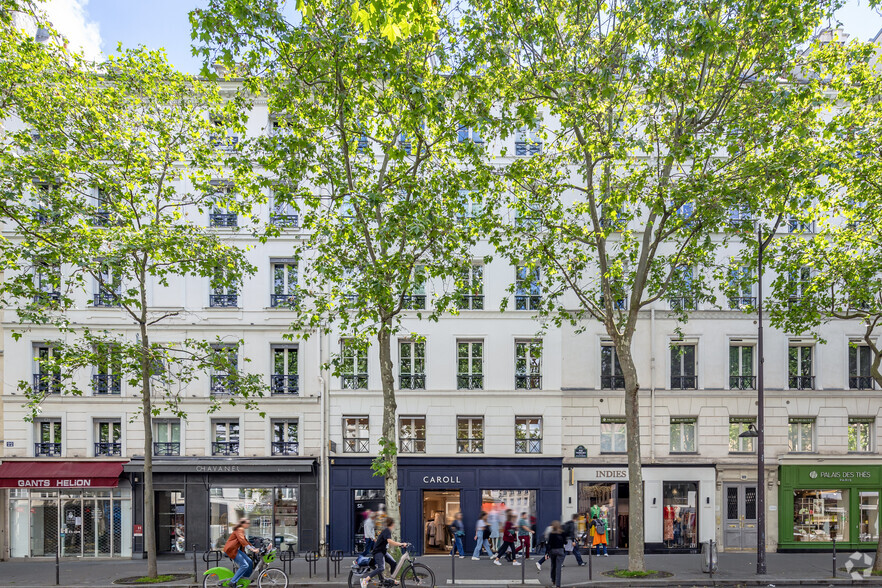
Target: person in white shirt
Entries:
(369, 532)
(482, 537)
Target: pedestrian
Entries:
(556, 542)
(493, 519)
(369, 532)
(457, 529)
(509, 536)
(570, 530)
(524, 535)
(384, 540)
(598, 524)
(544, 542)
(534, 527)
(237, 548)
(482, 537)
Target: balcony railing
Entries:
(682, 303)
(470, 381)
(106, 384)
(47, 297)
(471, 302)
(225, 143)
(528, 382)
(470, 445)
(45, 216)
(610, 223)
(524, 148)
(412, 381)
(798, 226)
(524, 302)
(742, 302)
(684, 382)
(108, 449)
(742, 382)
(284, 300)
(47, 383)
(612, 382)
(861, 382)
(47, 449)
(413, 302)
(801, 382)
(285, 384)
(106, 299)
(223, 219)
(101, 218)
(412, 445)
(221, 384)
(291, 221)
(356, 445)
(528, 445)
(354, 381)
(225, 448)
(166, 449)
(223, 300)
(286, 448)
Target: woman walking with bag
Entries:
(556, 542)
(482, 537)
(458, 531)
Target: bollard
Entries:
(57, 571)
(590, 573)
(711, 556)
(523, 567)
(453, 566)
(834, 556)
(312, 558)
(195, 567)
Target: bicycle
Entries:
(266, 576)
(407, 570)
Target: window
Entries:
(224, 289)
(528, 291)
(528, 365)
(528, 434)
(738, 444)
(465, 134)
(225, 364)
(222, 214)
(801, 435)
(798, 225)
(280, 126)
(102, 214)
(353, 365)
(285, 363)
(108, 434)
(613, 438)
(682, 283)
(471, 203)
(470, 434)
(469, 365)
(741, 367)
(859, 361)
(820, 515)
(683, 376)
(284, 284)
(416, 300)
(611, 377)
(799, 282)
(740, 216)
(683, 434)
(741, 288)
(680, 514)
(48, 438)
(473, 288)
(47, 372)
(47, 282)
(527, 142)
(412, 434)
(226, 437)
(228, 505)
(412, 365)
(356, 435)
(107, 286)
(285, 440)
(45, 198)
(799, 367)
(860, 434)
(869, 511)
(529, 217)
(166, 437)
(107, 378)
(221, 137)
(283, 212)
(686, 210)
(612, 217)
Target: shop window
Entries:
(860, 434)
(412, 434)
(356, 435)
(470, 434)
(869, 525)
(473, 288)
(166, 437)
(528, 434)
(680, 514)
(371, 501)
(683, 434)
(859, 361)
(683, 372)
(285, 440)
(738, 444)
(227, 506)
(741, 368)
(496, 502)
(353, 365)
(611, 377)
(469, 365)
(528, 365)
(613, 437)
(801, 435)
(799, 367)
(528, 288)
(412, 365)
(820, 515)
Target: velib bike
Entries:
(407, 571)
(263, 574)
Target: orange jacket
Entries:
(236, 541)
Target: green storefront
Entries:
(820, 502)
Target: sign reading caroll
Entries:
(441, 480)
(55, 483)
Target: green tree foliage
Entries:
(656, 121)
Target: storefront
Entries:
(74, 508)
(433, 490)
(823, 502)
(198, 500)
(679, 504)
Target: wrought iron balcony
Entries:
(106, 298)
(612, 382)
(286, 448)
(223, 300)
(528, 382)
(284, 300)
(354, 381)
(470, 381)
(225, 143)
(861, 382)
(610, 223)
(45, 216)
(223, 219)
(413, 302)
(524, 302)
(285, 384)
(412, 445)
(101, 218)
(684, 382)
(47, 449)
(801, 382)
(166, 449)
(471, 302)
(742, 382)
(225, 448)
(412, 381)
(47, 297)
(221, 384)
(103, 449)
(738, 302)
(524, 148)
(291, 221)
(356, 445)
(470, 445)
(682, 303)
(798, 226)
(528, 445)
(106, 384)
(47, 383)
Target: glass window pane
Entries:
(820, 515)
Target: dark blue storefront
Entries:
(351, 476)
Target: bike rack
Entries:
(287, 557)
(211, 556)
(336, 557)
(312, 558)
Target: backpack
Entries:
(599, 526)
(569, 530)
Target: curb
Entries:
(732, 582)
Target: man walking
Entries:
(570, 530)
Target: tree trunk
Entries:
(636, 560)
(390, 407)
(149, 505)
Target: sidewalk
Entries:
(785, 570)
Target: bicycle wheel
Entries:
(354, 581)
(210, 581)
(418, 575)
(272, 577)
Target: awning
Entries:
(60, 474)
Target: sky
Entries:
(97, 26)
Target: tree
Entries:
(371, 143)
(666, 126)
(106, 166)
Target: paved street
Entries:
(735, 569)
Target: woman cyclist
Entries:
(236, 549)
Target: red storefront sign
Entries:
(60, 474)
